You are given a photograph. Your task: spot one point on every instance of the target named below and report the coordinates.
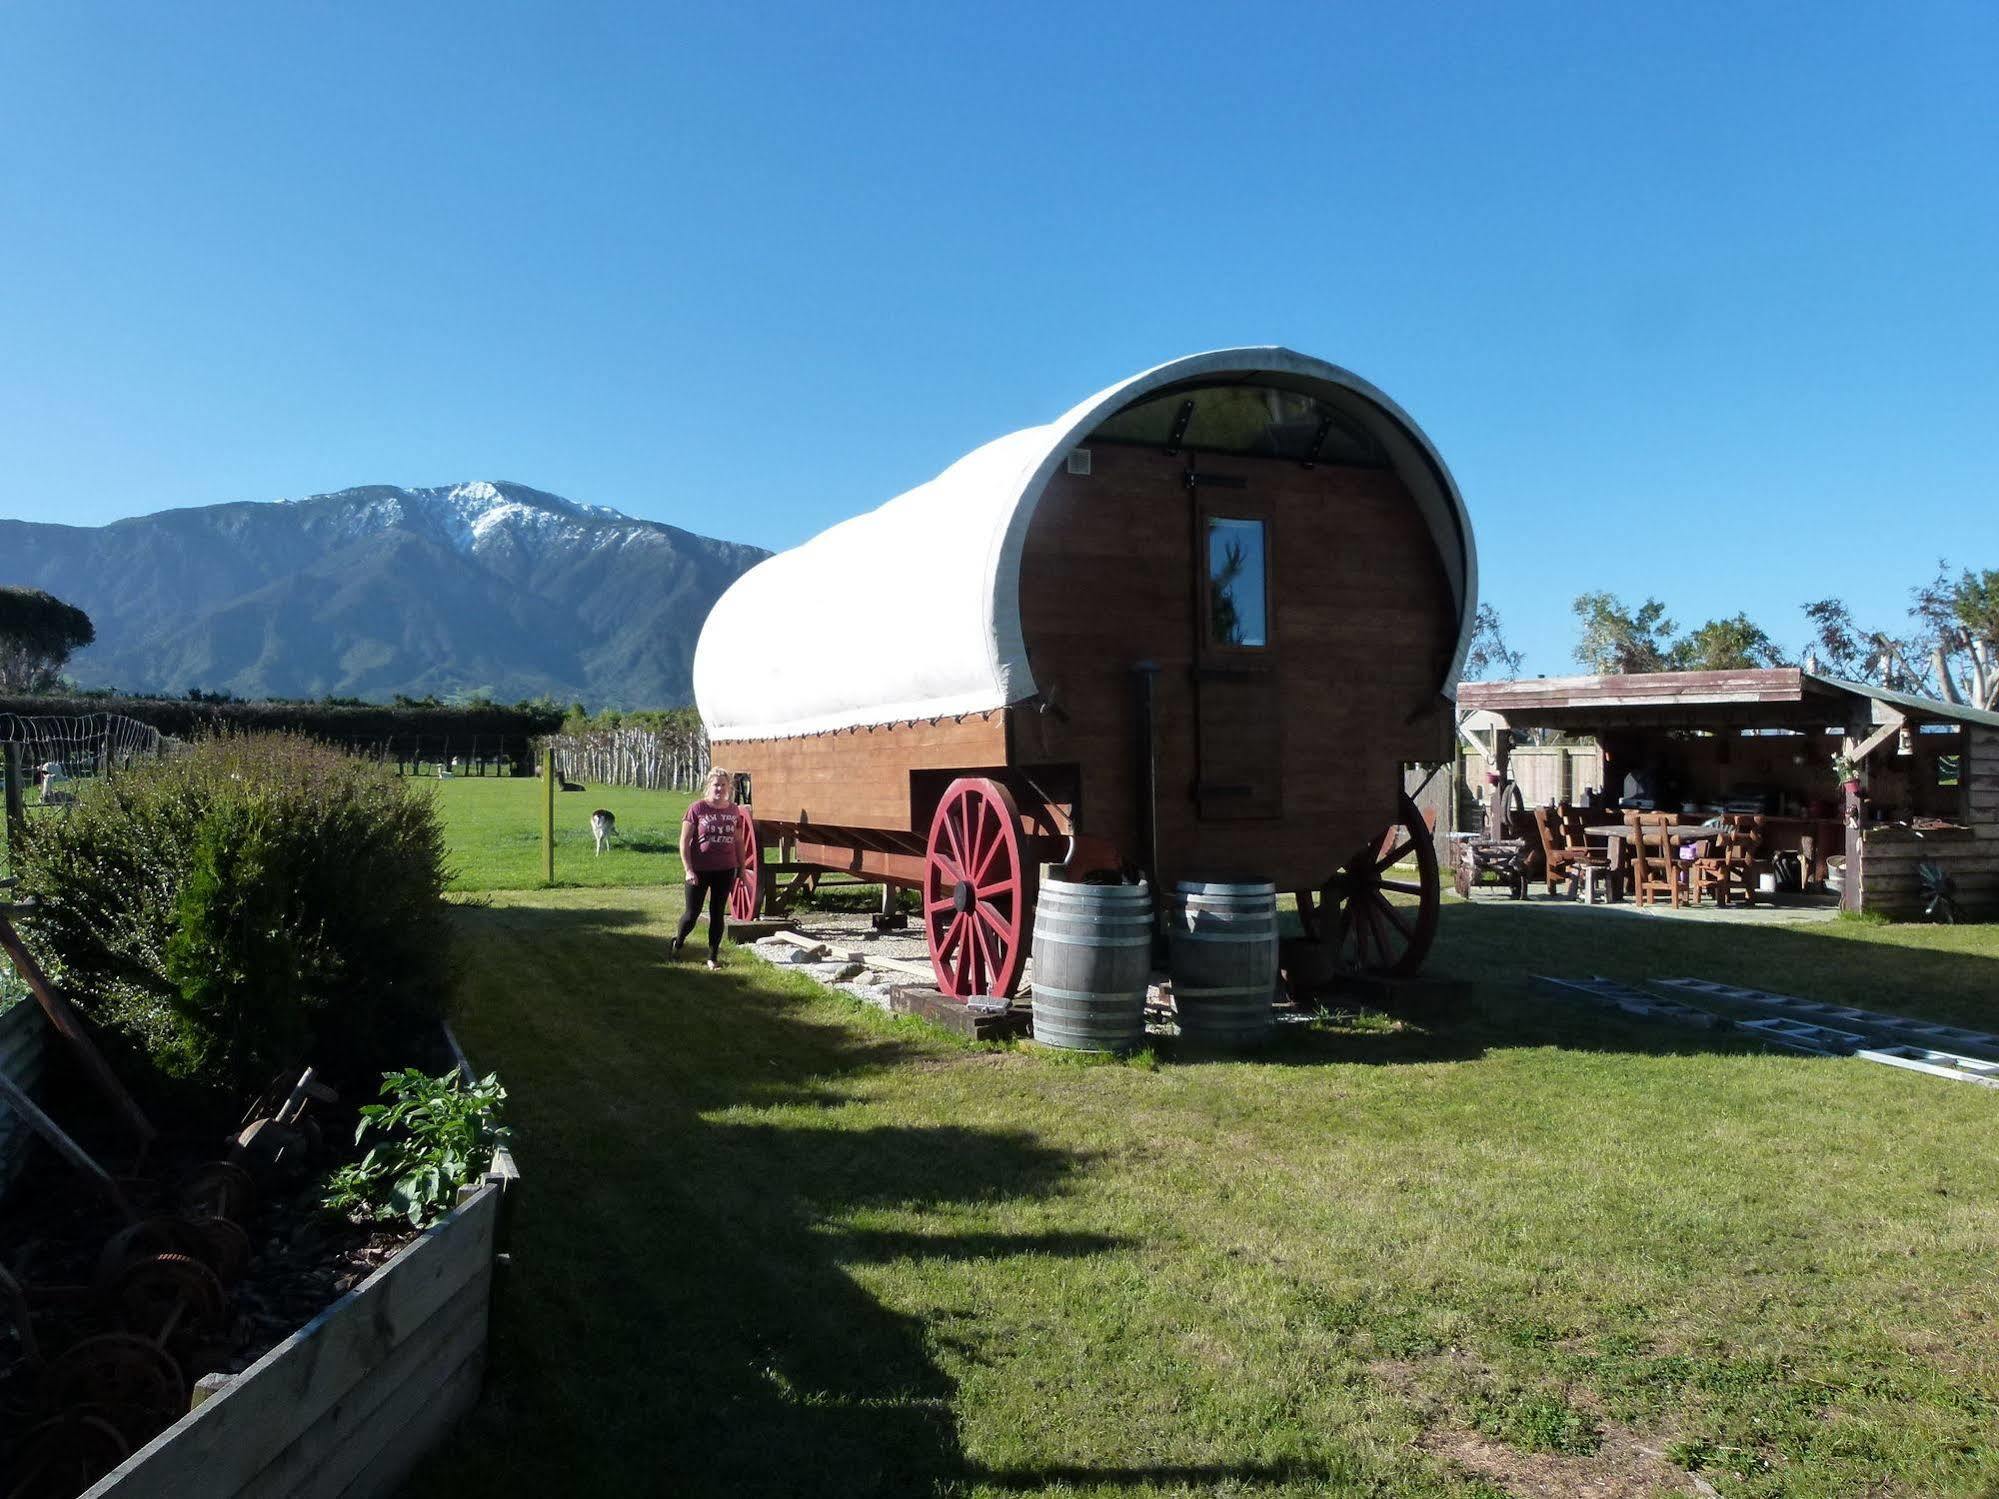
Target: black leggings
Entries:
(717, 883)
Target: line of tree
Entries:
(653, 749)
(1948, 646)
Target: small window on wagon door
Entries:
(1235, 583)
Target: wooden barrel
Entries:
(1092, 957)
(1222, 952)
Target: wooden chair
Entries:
(1556, 856)
(1729, 866)
(1575, 835)
(1655, 862)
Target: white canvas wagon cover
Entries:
(945, 557)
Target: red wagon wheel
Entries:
(746, 895)
(978, 891)
(1371, 932)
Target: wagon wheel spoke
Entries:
(1369, 939)
(952, 858)
(1370, 916)
(978, 849)
(1394, 919)
(984, 866)
(1395, 855)
(988, 965)
(1402, 887)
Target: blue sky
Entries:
(1697, 301)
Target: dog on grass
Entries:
(603, 827)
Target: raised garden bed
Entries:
(390, 1351)
(346, 1405)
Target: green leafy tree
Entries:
(1616, 640)
(1734, 644)
(38, 635)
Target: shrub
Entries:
(12, 989)
(255, 903)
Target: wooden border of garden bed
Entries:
(344, 1407)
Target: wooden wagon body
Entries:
(1194, 628)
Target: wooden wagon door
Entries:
(1238, 724)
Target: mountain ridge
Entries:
(487, 587)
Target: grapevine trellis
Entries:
(92, 744)
(651, 757)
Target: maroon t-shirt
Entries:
(717, 842)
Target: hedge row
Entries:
(350, 724)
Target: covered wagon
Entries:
(1194, 628)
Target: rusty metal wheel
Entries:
(224, 1247)
(65, 1455)
(121, 1377)
(219, 1189)
(168, 1295)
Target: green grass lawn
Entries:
(494, 826)
(770, 1242)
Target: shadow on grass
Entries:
(1934, 973)
(678, 1316)
(1475, 994)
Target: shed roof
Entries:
(943, 561)
(1780, 697)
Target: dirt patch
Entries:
(1623, 1465)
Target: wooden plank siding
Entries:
(23, 1044)
(1888, 856)
(342, 1409)
(1361, 628)
(860, 777)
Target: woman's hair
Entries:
(716, 770)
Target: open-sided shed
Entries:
(1763, 740)
(1192, 628)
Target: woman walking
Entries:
(714, 841)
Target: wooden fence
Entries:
(653, 759)
(22, 1030)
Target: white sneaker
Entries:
(713, 964)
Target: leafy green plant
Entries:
(434, 1136)
(1845, 768)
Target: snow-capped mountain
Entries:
(369, 592)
